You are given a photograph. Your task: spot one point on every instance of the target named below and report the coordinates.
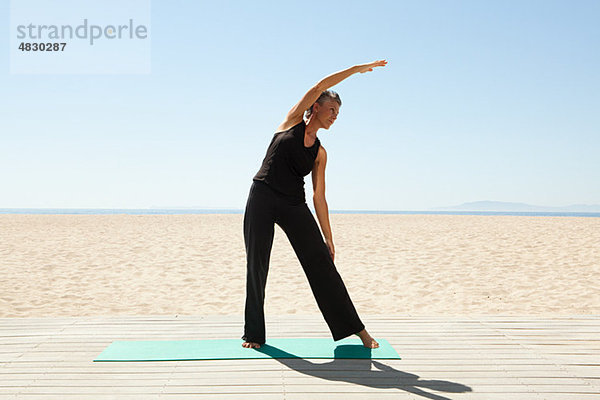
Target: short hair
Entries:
(326, 95)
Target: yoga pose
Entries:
(277, 197)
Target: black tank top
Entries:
(287, 162)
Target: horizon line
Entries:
(173, 211)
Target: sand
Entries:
(413, 265)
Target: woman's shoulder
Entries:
(290, 125)
(321, 154)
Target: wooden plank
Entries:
(80, 396)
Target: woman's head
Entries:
(325, 109)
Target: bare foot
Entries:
(367, 340)
(251, 345)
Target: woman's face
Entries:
(327, 112)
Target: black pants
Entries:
(264, 208)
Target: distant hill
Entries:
(504, 206)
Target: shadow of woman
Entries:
(358, 371)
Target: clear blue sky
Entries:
(481, 100)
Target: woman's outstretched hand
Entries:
(362, 68)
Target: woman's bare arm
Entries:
(297, 111)
(318, 178)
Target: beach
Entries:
(410, 265)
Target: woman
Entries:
(277, 197)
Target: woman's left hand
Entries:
(331, 248)
(362, 68)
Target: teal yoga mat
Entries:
(230, 349)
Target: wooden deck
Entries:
(503, 358)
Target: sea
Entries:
(175, 211)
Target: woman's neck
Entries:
(311, 128)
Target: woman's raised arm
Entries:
(297, 111)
